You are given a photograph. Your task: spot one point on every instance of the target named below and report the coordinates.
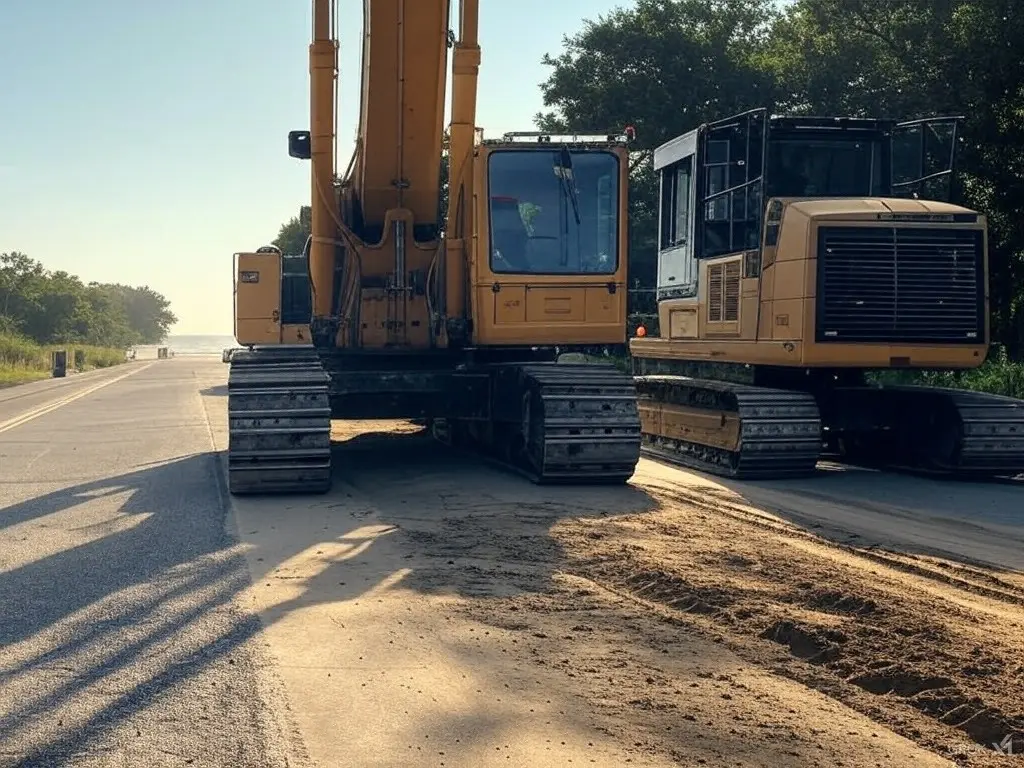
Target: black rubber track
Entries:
(279, 422)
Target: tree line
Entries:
(55, 307)
(667, 66)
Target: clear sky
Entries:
(145, 142)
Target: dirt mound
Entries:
(833, 601)
(807, 643)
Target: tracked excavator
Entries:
(457, 323)
(797, 255)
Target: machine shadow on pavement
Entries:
(119, 612)
(118, 603)
(415, 514)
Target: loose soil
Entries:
(929, 648)
(641, 610)
(667, 623)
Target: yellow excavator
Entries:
(797, 255)
(459, 323)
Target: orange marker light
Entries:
(641, 331)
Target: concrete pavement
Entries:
(19, 401)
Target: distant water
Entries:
(190, 345)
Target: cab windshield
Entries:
(554, 212)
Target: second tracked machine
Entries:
(455, 322)
(797, 255)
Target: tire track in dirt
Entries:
(930, 648)
(974, 578)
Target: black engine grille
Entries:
(900, 284)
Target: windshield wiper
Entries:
(563, 170)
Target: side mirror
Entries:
(299, 145)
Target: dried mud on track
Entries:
(694, 628)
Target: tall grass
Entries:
(23, 360)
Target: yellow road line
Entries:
(53, 405)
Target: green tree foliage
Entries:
(57, 307)
(292, 236)
(666, 66)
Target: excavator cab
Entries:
(554, 268)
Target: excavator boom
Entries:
(396, 165)
(401, 123)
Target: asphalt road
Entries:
(17, 402)
(150, 620)
(120, 640)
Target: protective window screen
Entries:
(554, 211)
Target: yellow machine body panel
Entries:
(295, 333)
(258, 319)
(257, 298)
(769, 317)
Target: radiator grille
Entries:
(900, 284)
(724, 292)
